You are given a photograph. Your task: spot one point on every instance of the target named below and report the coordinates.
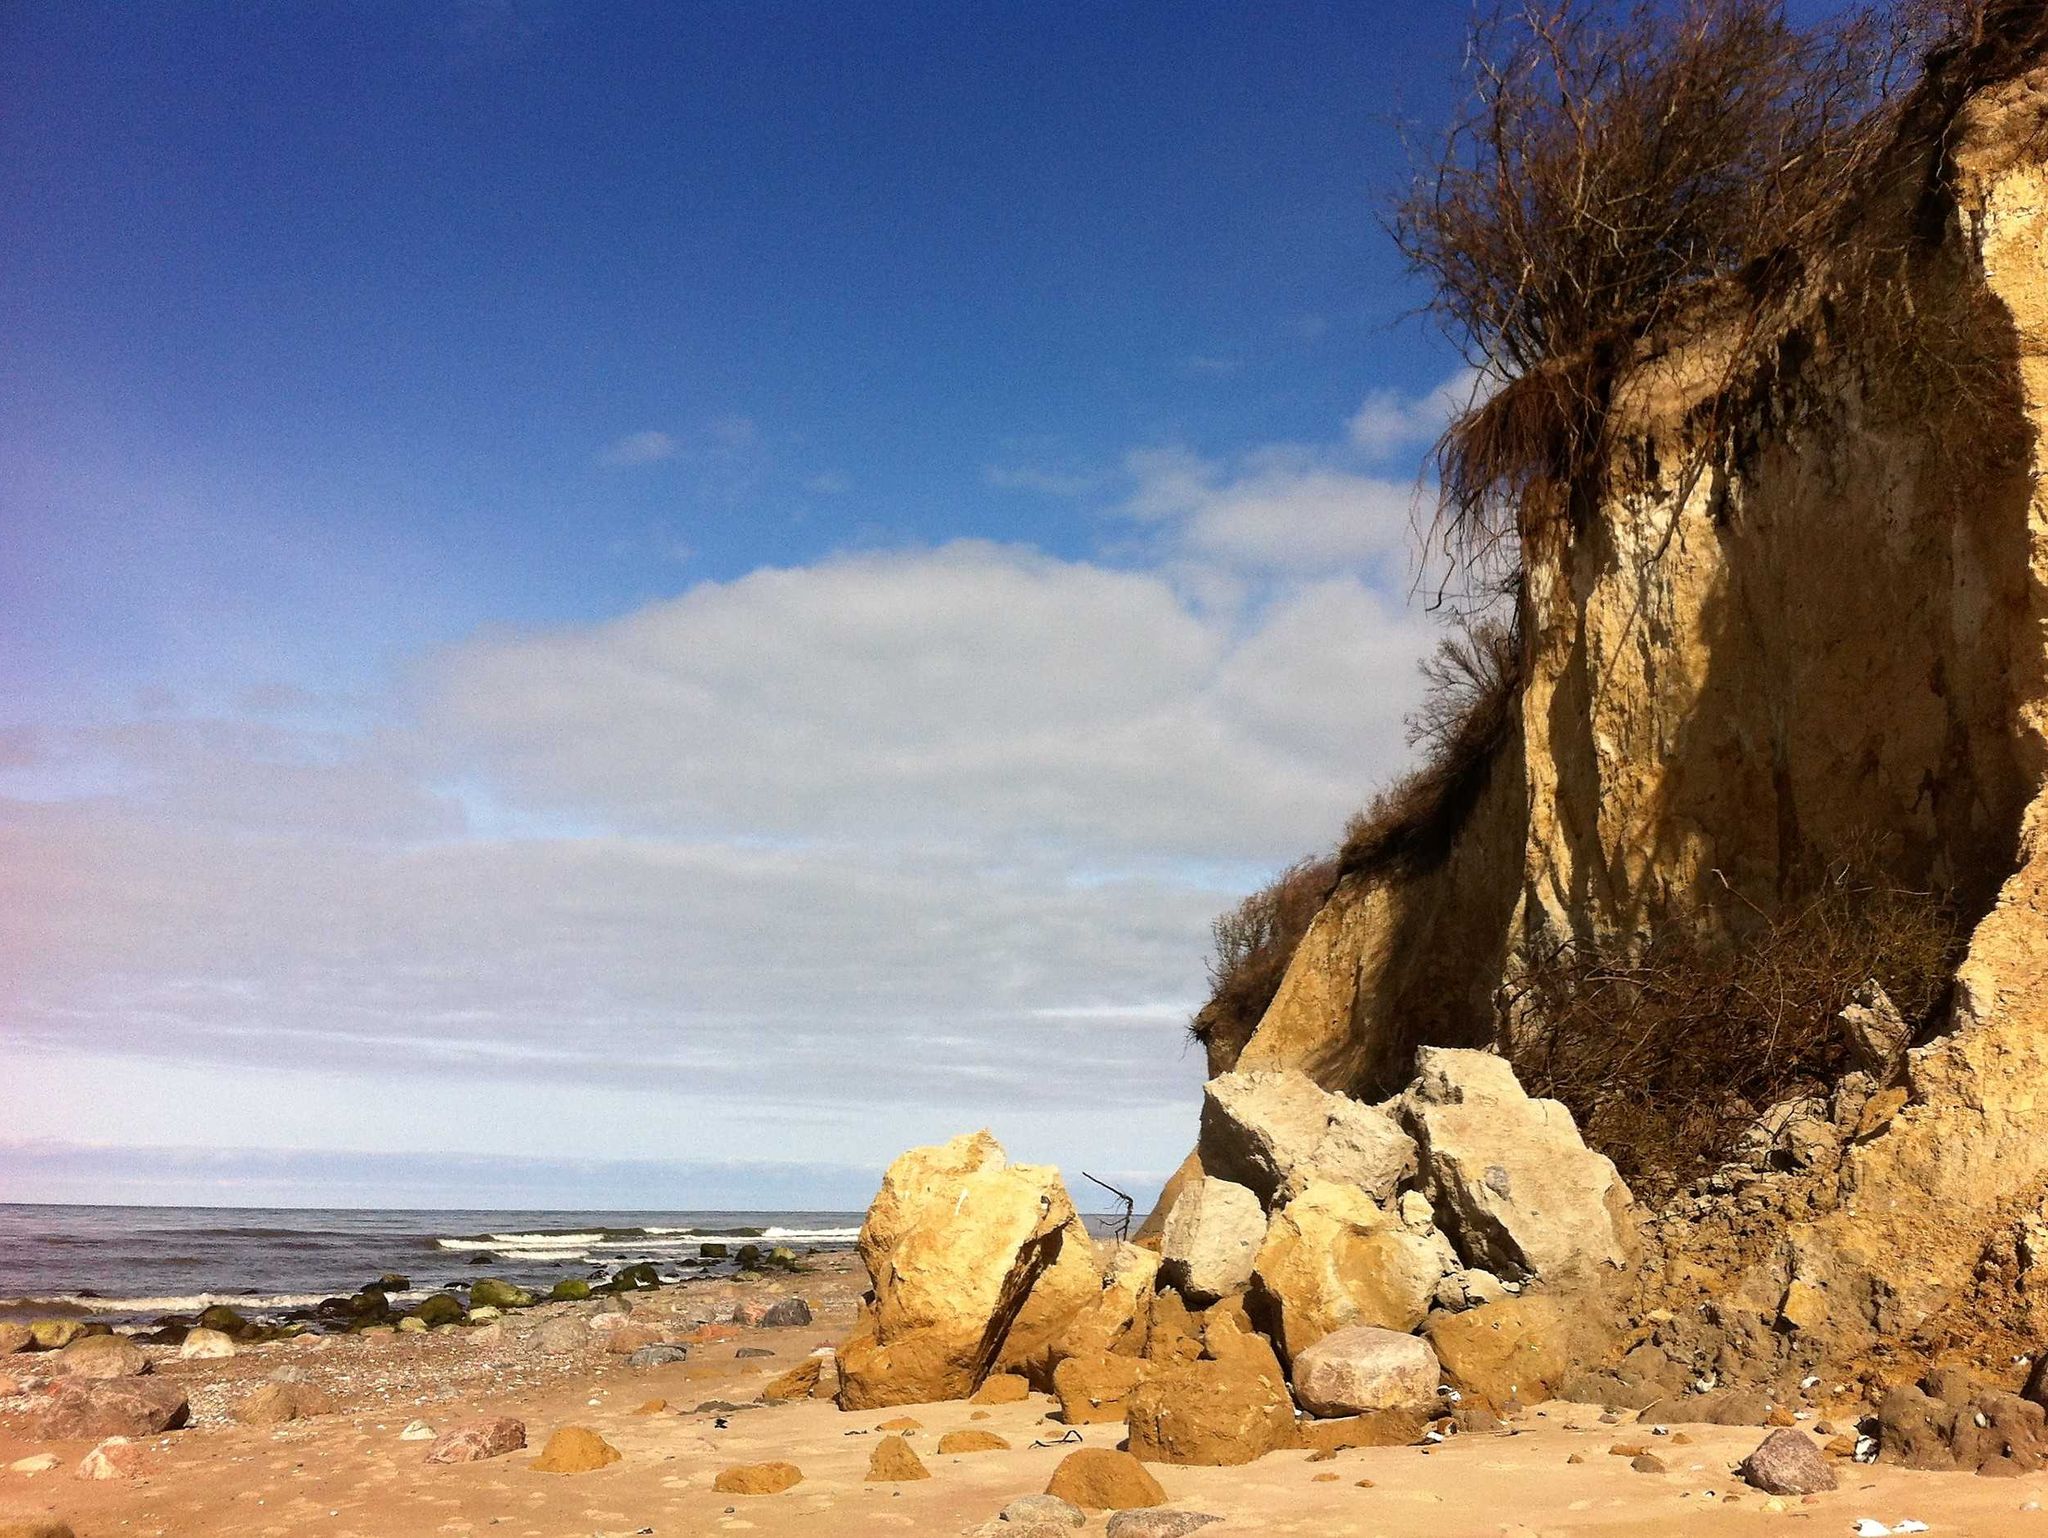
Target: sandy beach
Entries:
(350, 1474)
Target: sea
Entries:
(134, 1264)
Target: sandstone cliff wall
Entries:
(1830, 638)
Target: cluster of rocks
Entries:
(1337, 1274)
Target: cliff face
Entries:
(1828, 638)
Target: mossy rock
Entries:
(439, 1308)
(749, 1257)
(570, 1289)
(713, 1250)
(411, 1324)
(635, 1278)
(391, 1281)
(782, 1258)
(222, 1318)
(496, 1292)
(54, 1334)
(485, 1314)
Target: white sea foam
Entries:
(191, 1303)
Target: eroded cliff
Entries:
(1803, 618)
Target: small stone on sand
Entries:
(893, 1461)
(576, 1450)
(1099, 1479)
(757, 1478)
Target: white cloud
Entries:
(938, 831)
(643, 448)
(1390, 423)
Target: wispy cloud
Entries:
(1044, 480)
(641, 448)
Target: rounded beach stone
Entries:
(1162, 1524)
(35, 1527)
(562, 1335)
(757, 1478)
(1787, 1463)
(115, 1458)
(275, 1403)
(1099, 1479)
(56, 1334)
(102, 1356)
(14, 1337)
(205, 1346)
(108, 1407)
(893, 1461)
(1349, 1372)
(576, 1450)
(1046, 1510)
(472, 1441)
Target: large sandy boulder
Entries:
(1276, 1132)
(954, 1243)
(1364, 1369)
(1225, 1411)
(1517, 1349)
(1095, 1388)
(1212, 1237)
(1513, 1183)
(1332, 1259)
(1070, 1284)
(1116, 1318)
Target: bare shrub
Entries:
(1467, 714)
(1253, 944)
(1621, 169)
(1668, 1051)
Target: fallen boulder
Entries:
(1116, 1318)
(1096, 1388)
(1512, 1182)
(954, 1243)
(1213, 1412)
(1516, 1350)
(1157, 1522)
(1277, 1132)
(1212, 1239)
(1362, 1369)
(1332, 1259)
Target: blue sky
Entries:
(756, 571)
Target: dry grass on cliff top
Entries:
(1667, 1053)
(1622, 172)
